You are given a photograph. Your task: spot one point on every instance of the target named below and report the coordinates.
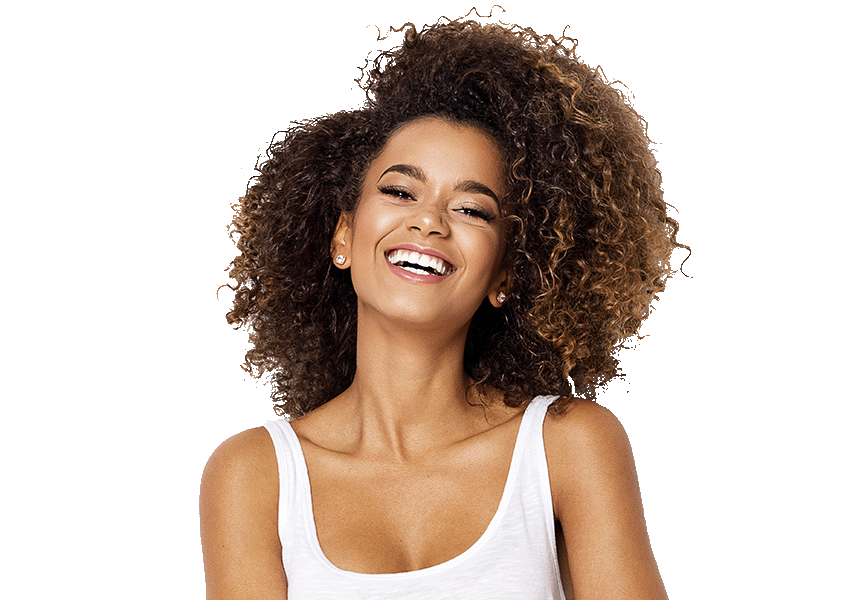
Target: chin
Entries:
(422, 314)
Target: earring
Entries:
(340, 259)
(501, 298)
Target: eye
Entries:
(476, 213)
(396, 192)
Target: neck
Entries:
(410, 389)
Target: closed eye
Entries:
(395, 192)
(476, 213)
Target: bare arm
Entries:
(239, 498)
(597, 500)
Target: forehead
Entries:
(443, 149)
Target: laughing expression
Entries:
(427, 240)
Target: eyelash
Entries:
(396, 192)
(476, 213)
(470, 211)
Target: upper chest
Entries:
(379, 516)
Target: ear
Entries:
(499, 293)
(341, 241)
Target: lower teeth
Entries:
(417, 270)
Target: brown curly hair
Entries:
(589, 240)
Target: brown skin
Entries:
(415, 435)
(592, 473)
(597, 501)
(239, 500)
(589, 237)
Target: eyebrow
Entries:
(408, 170)
(475, 187)
(468, 186)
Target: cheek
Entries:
(371, 224)
(366, 230)
(488, 251)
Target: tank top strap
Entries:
(537, 409)
(533, 425)
(293, 477)
(535, 476)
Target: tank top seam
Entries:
(302, 502)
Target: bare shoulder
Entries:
(248, 455)
(587, 451)
(242, 470)
(239, 498)
(597, 500)
(584, 417)
(583, 436)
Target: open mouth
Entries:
(421, 264)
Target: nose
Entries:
(428, 219)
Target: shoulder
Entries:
(584, 423)
(583, 443)
(584, 429)
(247, 457)
(597, 500)
(239, 498)
(241, 480)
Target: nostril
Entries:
(428, 223)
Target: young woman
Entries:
(437, 284)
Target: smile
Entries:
(420, 264)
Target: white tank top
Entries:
(514, 558)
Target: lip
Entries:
(417, 277)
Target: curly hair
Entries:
(589, 238)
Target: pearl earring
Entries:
(501, 297)
(340, 259)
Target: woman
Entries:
(430, 280)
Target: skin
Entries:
(414, 434)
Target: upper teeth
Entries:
(421, 260)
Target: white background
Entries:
(129, 128)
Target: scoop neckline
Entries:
(491, 528)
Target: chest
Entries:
(380, 517)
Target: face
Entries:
(427, 240)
